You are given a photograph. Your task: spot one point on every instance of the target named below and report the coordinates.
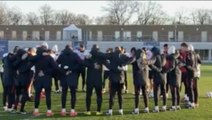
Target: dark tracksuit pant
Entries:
(94, 83)
(69, 82)
(190, 87)
(9, 89)
(89, 91)
(40, 83)
(156, 88)
(116, 87)
(137, 94)
(140, 85)
(24, 80)
(185, 81)
(9, 92)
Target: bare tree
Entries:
(82, 19)
(3, 10)
(64, 17)
(32, 18)
(181, 16)
(14, 17)
(201, 16)
(46, 15)
(150, 13)
(120, 12)
(100, 20)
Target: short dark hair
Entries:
(165, 45)
(184, 44)
(29, 49)
(144, 49)
(81, 45)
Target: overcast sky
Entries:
(94, 8)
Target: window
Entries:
(36, 35)
(171, 36)
(127, 36)
(180, 36)
(155, 35)
(90, 35)
(58, 35)
(14, 35)
(117, 35)
(203, 54)
(24, 35)
(139, 35)
(47, 35)
(99, 36)
(1, 34)
(204, 36)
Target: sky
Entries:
(94, 8)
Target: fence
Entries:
(203, 48)
(94, 37)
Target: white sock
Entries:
(136, 109)
(192, 104)
(164, 107)
(49, 111)
(173, 107)
(9, 109)
(63, 110)
(121, 110)
(146, 108)
(110, 111)
(156, 107)
(36, 110)
(72, 110)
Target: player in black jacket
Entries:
(117, 61)
(69, 63)
(9, 76)
(44, 67)
(94, 68)
(23, 79)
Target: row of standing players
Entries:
(167, 70)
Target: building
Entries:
(110, 35)
(179, 33)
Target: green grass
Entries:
(201, 113)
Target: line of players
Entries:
(152, 70)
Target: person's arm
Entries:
(26, 67)
(139, 63)
(172, 65)
(88, 63)
(199, 61)
(152, 66)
